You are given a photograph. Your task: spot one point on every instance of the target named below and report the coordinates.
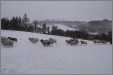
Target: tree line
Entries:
(23, 24)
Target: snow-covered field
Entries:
(28, 58)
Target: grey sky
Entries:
(58, 10)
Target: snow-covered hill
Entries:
(28, 58)
(61, 26)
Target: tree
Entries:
(15, 23)
(54, 29)
(44, 28)
(25, 21)
(48, 30)
(4, 23)
(110, 36)
(25, 18)
(35, 25)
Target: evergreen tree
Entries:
(5, 23)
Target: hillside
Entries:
(61, 26)
(28, 58)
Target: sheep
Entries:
(83, 42)
(72, 41)
(13, 39)
(7, 42)
(45, 43)
(33, 40)
(48, 42)
(52, 40)
(99, 41)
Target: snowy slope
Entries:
(28, 58)
(61, 26)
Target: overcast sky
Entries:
(58, 10)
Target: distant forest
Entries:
(97, 29)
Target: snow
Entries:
(28, 58)
(61, 26)
(93, 33)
